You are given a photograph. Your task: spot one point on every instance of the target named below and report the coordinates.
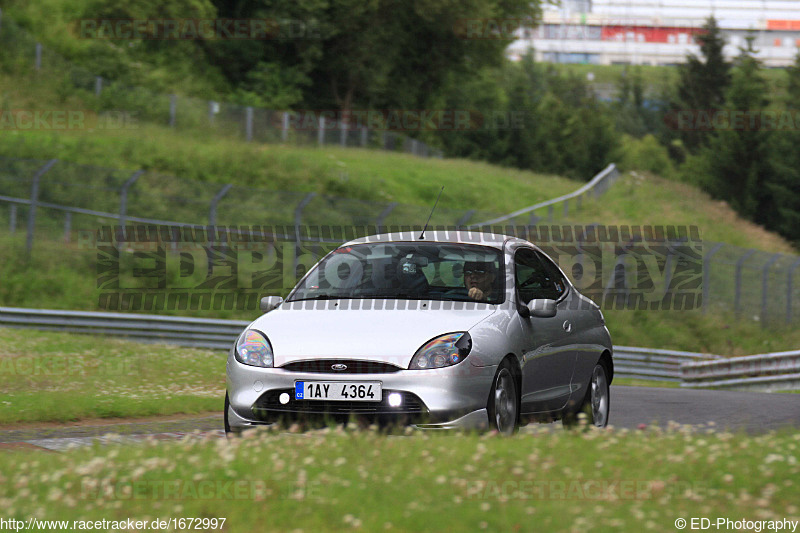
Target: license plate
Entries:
(353, 391)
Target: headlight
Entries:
(443, 351)
(254, 349)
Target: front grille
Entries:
(268, 404)
(323, 366)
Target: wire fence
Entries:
(120, 106)
(51, 200)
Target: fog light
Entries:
(395, 399)
(283, 398)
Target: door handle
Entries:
(567, 326)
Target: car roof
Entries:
(453, 236)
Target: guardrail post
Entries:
(67, 226)
(383, 215)
(248, 123)
(34, 200)
(566, 208)
(707, 274)
(550, 213)
(211, 111)
(12, 223)
(298, 214)
(173, 110)
(738, 287)
(789, 291)
(212, 211)
(98, 85)
(284, 126)
(321, 132)
(464, 219)
(534, 219)
(38, 62)
(764, 286)
(123, 197)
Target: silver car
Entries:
(437, 331)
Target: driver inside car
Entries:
(479, 280)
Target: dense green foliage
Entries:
(703, 81)
(380, 55)
(751, 165)
(350, 55)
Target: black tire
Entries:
(596, 403)
(503, 405)
(227, 425)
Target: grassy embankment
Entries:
(335, 479)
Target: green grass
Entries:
(46, 376)
(331, 480)
(634, 382)
(644, 199)
(371, 175)
(717, 332)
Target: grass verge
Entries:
(335, 479)
(60, 377)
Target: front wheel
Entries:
(227, 424)
(503, 406)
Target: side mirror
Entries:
(268, 303)
(542, 308)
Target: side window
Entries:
(532, 279)
(554, 274)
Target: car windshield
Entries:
(414, 271)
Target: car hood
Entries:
(390, 336)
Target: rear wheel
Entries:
(503, 406)
(596, 403)
(600, 396)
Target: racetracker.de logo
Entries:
(64, 120)
(732, 120)
(402, 120)
(192, 29)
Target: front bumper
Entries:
(447, 398)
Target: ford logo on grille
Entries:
(338, 367)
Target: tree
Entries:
(634, 115)
(739, 157)
(388, 53)
(549, 122)
(783, 189)
(703, 82)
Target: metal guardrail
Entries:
(597, 186)
(764, 372)
(771, 371)
(653, 364)
(185, 331)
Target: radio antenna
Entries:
(422, 235)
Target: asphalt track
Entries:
(753, 412)
(631, 407)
